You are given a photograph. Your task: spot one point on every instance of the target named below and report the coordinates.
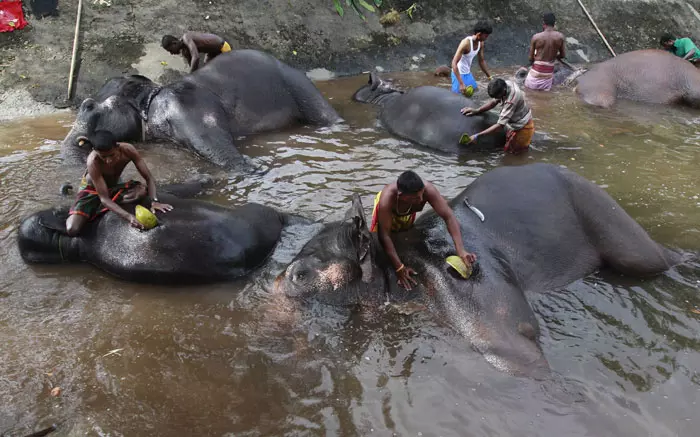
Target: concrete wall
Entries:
(122, 36)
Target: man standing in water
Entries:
(546, 48)
(470, 47)
(395, 209)
(101, 189)
(192, 43)
(515, 116)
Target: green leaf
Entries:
(378, 2)
(366, 5)
(354, 6)
(338, 7)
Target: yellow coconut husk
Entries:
(146, 217)
(456, 263)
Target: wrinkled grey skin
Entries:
(649, 76)
(563, 75)
(197, 242)
(545, 227)
(429, 116)
(238, 93)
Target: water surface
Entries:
(135, 360)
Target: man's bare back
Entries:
(547, 46)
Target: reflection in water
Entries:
(236, 359)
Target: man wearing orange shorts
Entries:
(515, 116)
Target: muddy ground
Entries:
(122, 36)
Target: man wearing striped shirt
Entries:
(515, 116)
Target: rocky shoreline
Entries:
(122, 37)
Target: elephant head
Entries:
(42, 238)
(121, 107)
(339, 266)
(375, 91)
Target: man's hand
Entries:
(467, 257)
(162, 207)
(469, 111)
(405, 280)
(135, 223)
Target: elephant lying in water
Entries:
(238, 93)
(196, 242)
(544, 228)
(650, 76)
(429, 116)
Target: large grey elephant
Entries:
(429, 116)
(544, 228)
(238, 93)
(649, 76)
(197, 242)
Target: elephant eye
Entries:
(299, 275)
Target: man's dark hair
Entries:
(483, 27)
(409, 182)
(666, 37)
(548, 18)
(497, 88)
(102, 141)
(168, 41)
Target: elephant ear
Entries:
(361, 234)
(374, 81)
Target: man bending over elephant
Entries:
(681, 47)
(470, 47)
(101, 189)
(395, 209)
(192, 43)
(515, 116)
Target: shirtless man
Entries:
(395, 209)
(192, 43)
(101, 189)
(546, 47)
(470, 47)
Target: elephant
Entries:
(649, 76)
(544, 227)
(197, 242)
(429, 116)
(239, 93)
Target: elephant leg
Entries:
(597, 94)
(313, 107)
(620, 241)
(188, 189)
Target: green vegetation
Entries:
(389, 19)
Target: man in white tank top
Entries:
(470, 47)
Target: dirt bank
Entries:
(122, 36)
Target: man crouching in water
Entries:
(101, 189)
(395, 209)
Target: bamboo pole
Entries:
(596, 27)
(74, 57)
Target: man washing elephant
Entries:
(546, 48)
(101, 189)
(192, 44)
(395, 209)
(516, 116)
(681, 47)
(463, 81)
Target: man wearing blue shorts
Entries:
(470, 47)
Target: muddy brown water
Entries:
(135, 360)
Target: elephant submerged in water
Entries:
(239, 93)
(197, 242)
(649, 76)
(429, 116)
(544, 228)
(563, 75)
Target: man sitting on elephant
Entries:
(681, 47)
(101, 189)
(515, 115)
(395, 209)
(192, 43)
